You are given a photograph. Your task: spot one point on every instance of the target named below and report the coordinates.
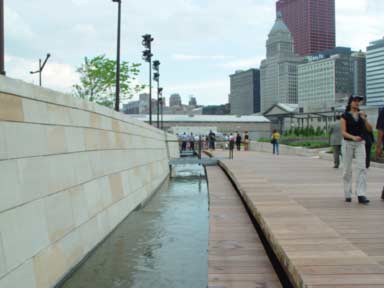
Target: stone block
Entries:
(79, 205)
(105, 191)
(95, 120)
(92, 139)
(23, 276)
(116, 186)
(59, 215)
(93, 198)
(3, 148)
(89, 234)
(75, 139)
(57, 143)
(35, 111)
(82, 167)
(11, 108)
(2, 257)
(61, 175)
(25, 140)
(79, 118)
(34, 177)
(24, 233)
(9, 184)
(96, 163)
(59, 115)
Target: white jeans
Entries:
(356, 149)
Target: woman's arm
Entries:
(366, 122)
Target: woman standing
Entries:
(246, 141)
(238, 141)
(354, 123)
(275, 141)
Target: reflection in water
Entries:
(163, 244)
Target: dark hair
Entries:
(348, 107)
(338, 117)
(274, 131)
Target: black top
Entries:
(246, 137)
(355, 128)
(238, 139)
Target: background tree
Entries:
(98, 80)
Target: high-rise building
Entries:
(175, 100)
(311, 22)
(278, 72)
(192, 101)
(375, 73)
(359, 76)
(244, 97)
(326, 80)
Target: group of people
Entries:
(352, 136)
(237, 140)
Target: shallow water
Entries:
(164, 244)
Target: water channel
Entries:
(163, 244)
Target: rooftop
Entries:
(206, 118)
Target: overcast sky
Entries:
(198, 42)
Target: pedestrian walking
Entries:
(335, 141)
(246, 141)
(238, 141)
(380, 138)
(231, 145)
(192, 142)
(275, 141)
(353, 125)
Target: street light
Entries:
(161, 99)
(117, 97)
(147, 56)
(156, 77)
(41, 67)
(2, 71)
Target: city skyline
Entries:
(196, 60)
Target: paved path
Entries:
(236, 257)
(299, 203)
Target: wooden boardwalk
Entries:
(321, 240)
(236, 257)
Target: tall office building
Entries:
(326, 80)
(311, 22)
(359, 76)
(278, 72)
(375, 73)
(175, 100)
(244, 97)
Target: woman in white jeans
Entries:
(354, 124)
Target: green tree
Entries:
(98, 80)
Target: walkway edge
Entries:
(289, 268)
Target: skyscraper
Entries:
(245, 92)
(311, 22)
(278, 72)
(375, 73)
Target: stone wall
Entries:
(70, 172)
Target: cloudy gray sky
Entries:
(199, 42)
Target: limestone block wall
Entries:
(70, 171)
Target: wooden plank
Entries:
(236, 256)
(321, 240)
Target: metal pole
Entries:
(158, 105)
(117, 100)
(162, 112)
(40, 71)
(2, 71)
(150, 85)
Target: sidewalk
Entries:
(299, 203)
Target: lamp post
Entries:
(41, 67)
(161, 99)
(147, 56)
(117, 96)
(2, 70)
(156, 77)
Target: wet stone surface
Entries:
(164, 244)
